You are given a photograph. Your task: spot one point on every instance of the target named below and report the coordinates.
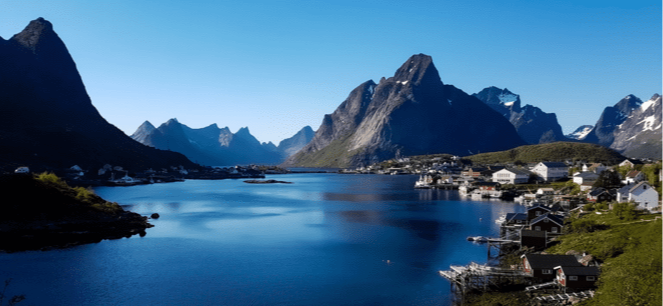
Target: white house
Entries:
(511, 176)
(642, 194)
(585, 177)
(551, 171)
(634, 177)
(595, 167)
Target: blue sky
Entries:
(277, 66)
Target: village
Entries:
(552, 193)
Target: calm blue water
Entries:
(327, 239)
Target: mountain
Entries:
(532, 124)
(639, 136)
(612, 116)
(580, 132)
(292, 145)
(47, 119)
(214, 146)
(411, 113)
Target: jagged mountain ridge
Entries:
(47, 119)
(214, 146)
(612, 116)
(532, 124)
(639, 136)
(411, 113)
(580, 132)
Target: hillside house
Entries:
(599, 195)
(545, 191)
(585, 178)
(511, 176)
(634, 177)
(536, 211)
(630, 163)
(548, 223)
(573, 277)
(642, 194)
(595, 167)
(543, 266)
(473, 172)
(551, 171)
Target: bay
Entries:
(325, 239)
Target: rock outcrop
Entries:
(411, 113)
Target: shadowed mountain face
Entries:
(411, 113)
(47, 119)
(214, 146)
(532, 124)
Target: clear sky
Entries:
(277, 66)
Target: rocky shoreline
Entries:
(47, 234)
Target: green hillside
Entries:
(557, 151)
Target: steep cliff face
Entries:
(411, 113)
(639, 136)
(532, 124)
(603, 132)
(47, 119)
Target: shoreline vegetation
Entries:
(43, 212)
(626, 243)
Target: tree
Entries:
(608, 179)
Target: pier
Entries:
(478, 277)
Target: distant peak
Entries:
(147, 125)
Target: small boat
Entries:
(477, 239)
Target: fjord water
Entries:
(326, 239)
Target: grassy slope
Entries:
(630, 249)
(334, 155)
(557, 151)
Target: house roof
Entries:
(538, 206)
(516, 171)
(633, 173)
(541, 261)
(579, 271)
(597, 191)
(554, 164)
(636, 186)
(516, 216)
(586, 175)
(557, 219)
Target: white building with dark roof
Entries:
(642, 194)
(551, 171)
(511, 176)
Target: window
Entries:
(538, 213)
(591, 278)
(546, 271)
(546, 220)
(537, 228)
(573, 278)
(554, 229)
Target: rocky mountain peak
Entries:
(417, 70)
(36, 31)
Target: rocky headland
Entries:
(42, 212)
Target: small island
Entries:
(266, 182)
(42, 212)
